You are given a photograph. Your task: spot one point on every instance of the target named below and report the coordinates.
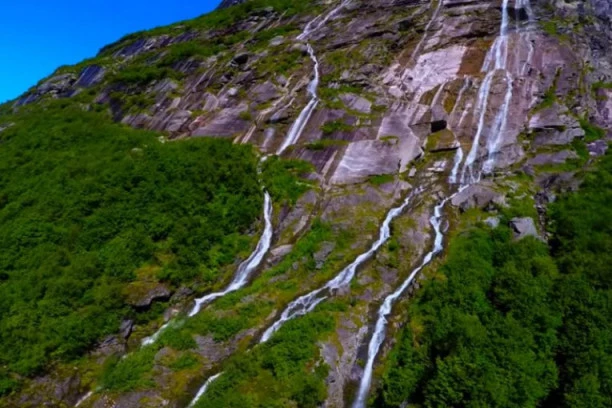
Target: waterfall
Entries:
(381, 323)
(153, 338)
(481, 106)
(319, 21)
(203, 389)
(459, 154)
(83, 399)
(247, 267)
(306, 303)
(499, 128)
(298, 126)
(294, 133)
(434, 16)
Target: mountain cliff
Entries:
(425, 171)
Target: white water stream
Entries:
(308, 302)
(298, 126)
(247, 267)
(385, 309)
(203, 389)
(452, 179)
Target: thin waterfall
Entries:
(298, 126)
(481, 107)
(83, 399)
(247, 267)
(499, 128)
(459, 154)
(378, 337)
(306, 303)
(203, 389)
(434, 16)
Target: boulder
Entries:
(356, 102)
(321, 255)
(264, 92)
(477, 196)
(554, 126)
(278, 253)
(597, 148)
(142, 294)
(492, 222)
(523, 227)
(126, 328)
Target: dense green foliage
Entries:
(510, 323)
(483, 331)
(284, 179)
(87, 207)
(582, 248)
(282, 372)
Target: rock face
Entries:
(554, 126)
(407, 90)
(523, 227)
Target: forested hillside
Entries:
(340, 203)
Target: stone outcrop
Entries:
(554, 126)
(478, 196)
(523, 227)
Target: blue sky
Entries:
(37, 36)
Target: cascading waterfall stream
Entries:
(247, 267)
(500, 51)
(203, 389)
(294, 134)
(308, 302)
(452, 179)
(378, 337)
(298, 126)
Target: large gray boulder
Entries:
(477, 196)
(523, 227)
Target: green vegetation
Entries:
(222, 19)
(89, 208)
(335, 126)
(285, 179)
(591, 131)
(601, 85)
(582, 248)
(285, 371)
(380, 179)
(483, 331)
(323, 144)
(509, 323)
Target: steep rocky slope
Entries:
(456, 108)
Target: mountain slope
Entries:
(426, 118)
